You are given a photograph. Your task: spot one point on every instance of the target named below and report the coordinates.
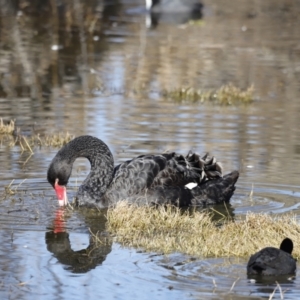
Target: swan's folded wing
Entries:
(134, 176)
(167, 170)
(150, 171)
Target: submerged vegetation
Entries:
(226, 95)
(168, 229)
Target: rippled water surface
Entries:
(90, 67)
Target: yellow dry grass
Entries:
(13, 137)
(56, 140)
(7, 128)
(226, 95)
(168, 229)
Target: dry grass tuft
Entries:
(27, 144)
(7, 128)
(57, 140)
(226, 95)
(168, 229)
(13, 137)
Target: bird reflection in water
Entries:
(82, 261)
(100, 244)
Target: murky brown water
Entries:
(101, 72)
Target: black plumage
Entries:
(272, 261)
(152, 179)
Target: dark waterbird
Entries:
(146, 179)
(273, 261)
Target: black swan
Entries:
(152, 179)
(273, 261)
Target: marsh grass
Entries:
(7, 128)
(27, 144)
(12, 190)
(226, 95)
(55, 140)
(168, 229)
(13, 137)
(281, 292)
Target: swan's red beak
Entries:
(61, 193)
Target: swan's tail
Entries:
(210, 192)
(214, 191)
(206, 167)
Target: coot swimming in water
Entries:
(273, 261)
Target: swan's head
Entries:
(58, 175)
(100, 158)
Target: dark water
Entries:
(98, 68)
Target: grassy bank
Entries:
(170, 230)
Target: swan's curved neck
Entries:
(102, 167)
(101, 173)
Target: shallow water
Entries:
(106, 81)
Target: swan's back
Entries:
(160, 176)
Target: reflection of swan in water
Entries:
(219, 212)
(173, 11)
(84, 260)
